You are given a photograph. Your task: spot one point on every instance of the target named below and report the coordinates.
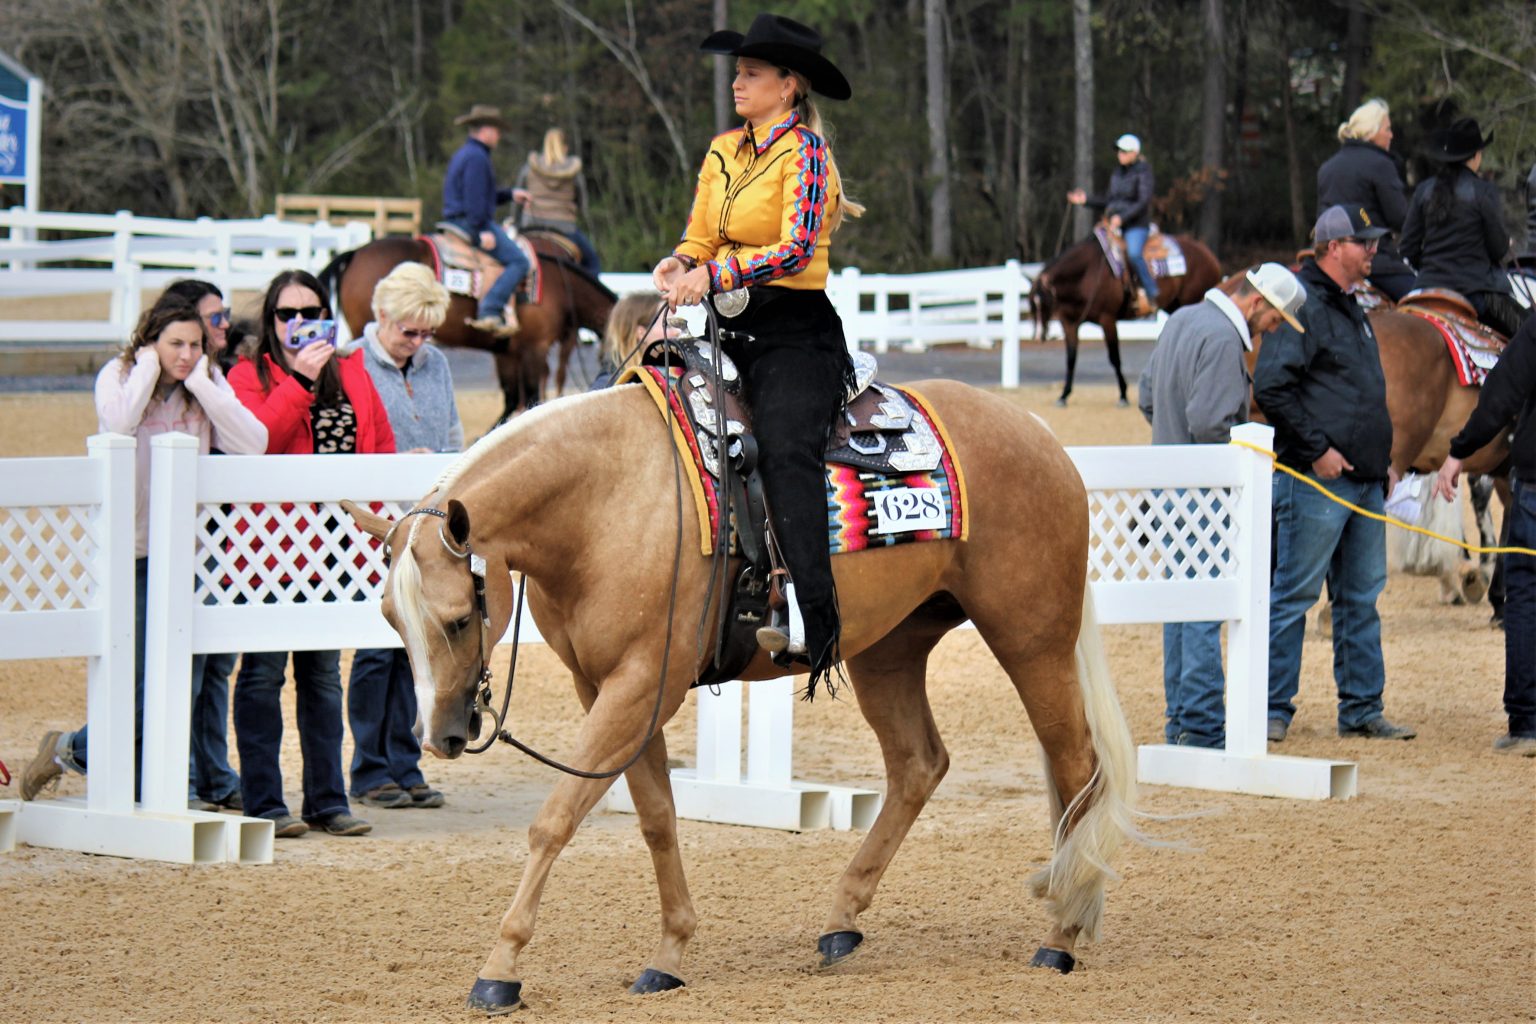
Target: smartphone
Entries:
(303, 333)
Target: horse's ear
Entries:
(458, 521)
(375, 526)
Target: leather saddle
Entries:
(880, 431)
(1449, 310)
(466, 269)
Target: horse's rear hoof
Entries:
(1058, 960)
(652, 980)
(836, 947)
(494, 998)
(1122, 403)
(1062, 402)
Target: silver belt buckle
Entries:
(731, 303)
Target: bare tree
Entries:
(1213, 120)
(725, 112)
(941, 241)
(1082, 150)
(1025, 193)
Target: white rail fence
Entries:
(213, 590)
(135, 253)
(985, 307)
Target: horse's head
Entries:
(450, 606)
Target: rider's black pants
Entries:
(796, 371)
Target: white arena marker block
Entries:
(8, 810)
(1296, 778)
(248, 840)
(192, 837)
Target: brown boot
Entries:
(1142, 306)
(43, 768)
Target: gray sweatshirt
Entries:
(1196, 386)
(419, 399)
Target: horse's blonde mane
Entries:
(504, 433)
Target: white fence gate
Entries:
(211, 591)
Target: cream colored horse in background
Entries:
(580, 496)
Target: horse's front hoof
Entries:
(1058, 960)
(494, 998)
(1062, 402)
(836, 947)
(651, 980)
(1122, 403)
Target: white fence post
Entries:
(109, 676)
(1012, 303)
(168, 633)
(1248, 635)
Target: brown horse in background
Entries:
(1079, 286)
(571, 300)
(579, 496)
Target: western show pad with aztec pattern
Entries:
(865, 509)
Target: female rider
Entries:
(768, 198)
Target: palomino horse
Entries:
(580, 497)
(1429, 406)
(1079, 287)
(571, 300)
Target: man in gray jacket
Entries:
(1194, 390)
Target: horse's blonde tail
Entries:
(1090, 831)
(1419, 555)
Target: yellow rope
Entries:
(1473, 548)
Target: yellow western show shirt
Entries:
(759, 206)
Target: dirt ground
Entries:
(1411, 903)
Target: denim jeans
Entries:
(1135, 241)
(1520, 613)
(74, 746)
(210, 776)
(1314, 538)
(515, 266)
(259, 732)
(1194, 684)
(381, 712)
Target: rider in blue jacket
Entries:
(470, 198)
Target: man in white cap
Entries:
(1194, 391)
(1326, 395)
(1127, 208)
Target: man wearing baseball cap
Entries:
(1321, 385)
(1128, 209)
(1194, 390)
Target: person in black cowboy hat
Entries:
(470, 198)
(758, 250)
(1455, 232)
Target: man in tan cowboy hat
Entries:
(470, 198)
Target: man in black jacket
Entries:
(1510, 390)
(1325, 394)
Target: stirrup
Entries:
(779, 636)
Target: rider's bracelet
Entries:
(687, 261)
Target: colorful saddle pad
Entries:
(1162, 252)
(886, 484)
(1474, 348)
(465, 269)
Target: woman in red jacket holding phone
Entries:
(311, 401)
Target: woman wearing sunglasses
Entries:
(413, 380)
(312, 401)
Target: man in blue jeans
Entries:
(1326, 395)
(470, 198)
(1194, 391)
(1510, 393)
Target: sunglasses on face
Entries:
(426, 335)
(1363, 243)
(219, 318)
(286, 313)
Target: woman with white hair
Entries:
(1364, 173)
(413, 382)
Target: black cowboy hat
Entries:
(788, 44)
(1458, 142)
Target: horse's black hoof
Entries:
(1058, 960)
(651, 980)
(494, 998)
(837, 946)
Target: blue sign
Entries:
(13, 140)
